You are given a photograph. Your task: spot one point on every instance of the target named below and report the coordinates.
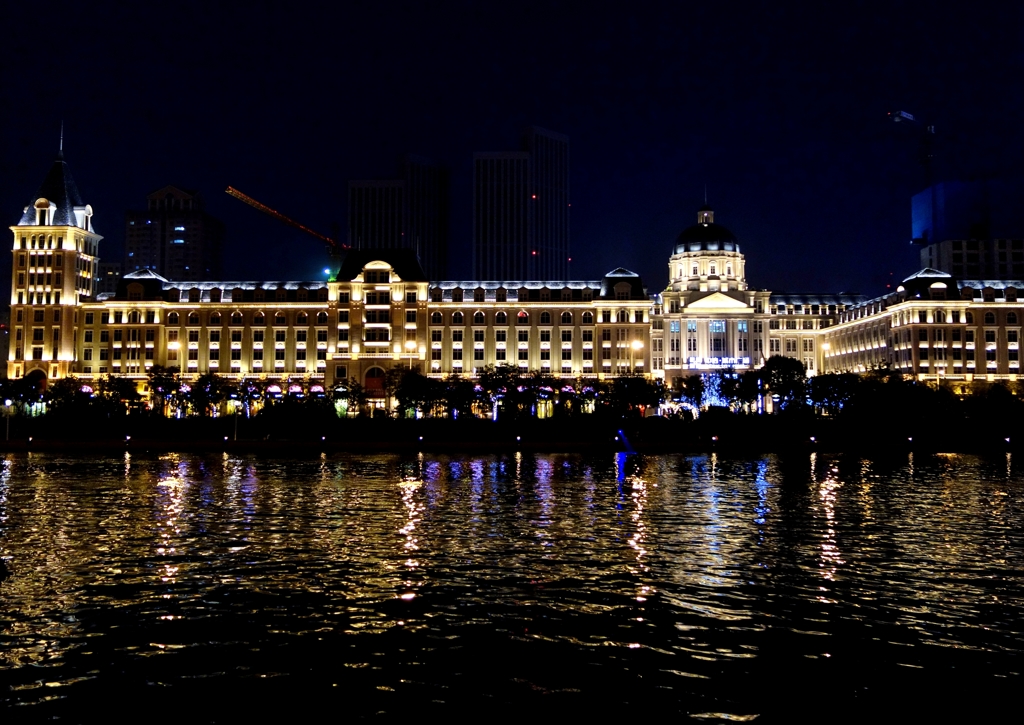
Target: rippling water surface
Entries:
(205, 588)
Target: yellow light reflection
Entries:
(170, 505)
(831, 557)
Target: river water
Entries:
(212, 588)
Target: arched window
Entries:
(321, 318)
(259, 320)
(728, 269)
(940, 317)
(236, 318)
(172, 318)
(712, 269)
(193, 318)
(990, 318)
(622, 316)
(545, 318)
(588, 318)
(969, 318)
(695, 271)
(456, 318)
(214, 318)
(1011, 318)
(436, 318)
(280, 319)
(478, 318)
(302, 319)
(500, 318)
(522, 318)
(133, 317)
(566, 318)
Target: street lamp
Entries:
(7, 405)
(410, 348)
(635, 347)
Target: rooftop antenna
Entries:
(62, 135)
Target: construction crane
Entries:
(927, 160)
(334, 248)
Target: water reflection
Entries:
(831, 558)
(703, 573)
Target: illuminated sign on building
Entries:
(707, 363)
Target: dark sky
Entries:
(779, 110)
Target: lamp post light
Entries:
(635, 347)
(410, 347)
(7, 411)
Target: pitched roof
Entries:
(927, 272)
(60, 189)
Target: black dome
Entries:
(706, 237)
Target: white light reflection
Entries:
(831, 558)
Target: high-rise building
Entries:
(521, 209)
(549, 201)
(501, 236)
(410, 212)
(174, 236)
(109, 276)
(972, 229)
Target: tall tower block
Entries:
(54, 268)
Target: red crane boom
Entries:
(333, 245)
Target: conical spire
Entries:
(59, 189)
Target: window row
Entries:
(523, 294)
(521, 335)
(258, 295)
(544, 318)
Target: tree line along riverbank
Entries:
(505, 408)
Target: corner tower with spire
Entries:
(54, 267)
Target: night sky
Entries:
(780, 112)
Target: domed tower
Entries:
(706, 257)
(55, 257)
(707, 318)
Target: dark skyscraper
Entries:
(501, 238)
(521, 210)
(175, 237)
(406, 213)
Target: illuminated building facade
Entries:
(380, 311)
(55, 257)
(933, 327)
(708, 319)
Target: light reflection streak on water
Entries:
(546, 499)
(831, 557)
(413, 513)
(169, 503)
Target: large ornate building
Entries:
(379, 311)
